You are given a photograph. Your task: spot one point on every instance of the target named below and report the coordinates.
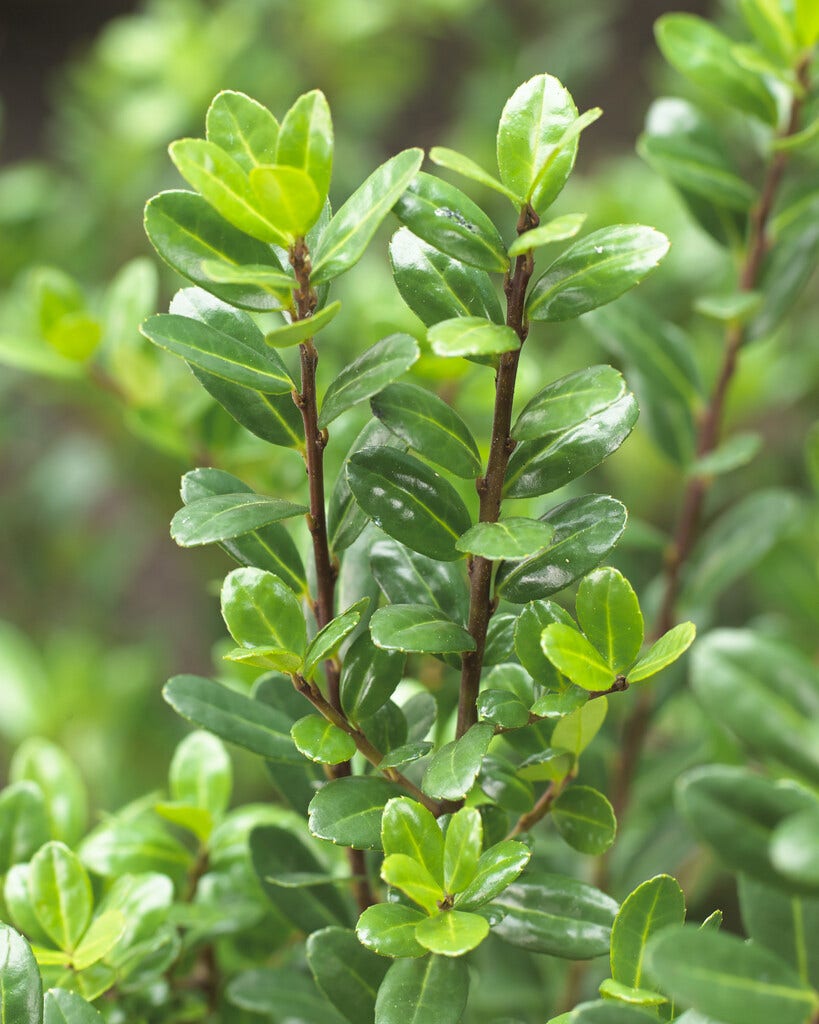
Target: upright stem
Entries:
(490, 486)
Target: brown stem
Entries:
(490, 486)
(544, 804)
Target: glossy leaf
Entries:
(572, 655)
(300, 330)
(514, 538)
(453, 768)
(432, 990)
(368, 374)
(609, 614)
(585, 819)
(462, 849)
(569, 401)
(232, 716)
(21, 990)
(24, 822)
(322, 741)
(348, 811)
(187, 232)
(556, 915)
(225, 516)
(405, 577)
(496, 869)
(447, 219)
(502, 708)
(369, 677)
(528, 630)
(306, 140)
(243, 128)
(575, 731)
(102, 935)
(354, 224)
(413, 879)
(60, 894)
(654, 905)
(287, 197)
(557, 230)
(429, 425)
(471, 336)
(409, 501)
(663, 652)
(405, 754)
(722, 976)
(327, 641)
(221, 272)
(263, 614)
(346, 973)
(407, 827)
(453, 933)
(389, 929)
(418, 628)
(64, 1007)
(770, 26)
(437, 287)
(614, 990)
(466, 167)
(704, 55)
(595, 271)
(539, 467)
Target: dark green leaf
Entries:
(448, 220)
(409, 501)
(585, 819)
(417, 627)
(426, 423)
(368, 374)
(264, 615)
(322, 741)
(389, 929)
(596, 270)
(556, 915)
(232, 716)
(405, 577)
(453, 769)
(785, 924)
(654, 905)
(453, 933)
(281, 995)
(405, 754)
(722, 976)
(225, 516)
(348, 811)
(513, 539)
(502, 708)
(569, 401)
(534, 618)
(437, 287)
(368, 678)
(21, 991)
(326, 642)
(432, 990)
(244, 129)
(347, 973)
(609, 614)
(793, 849)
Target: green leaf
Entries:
(369, 677)
(569, 401)
(586, 529)
(769, 23)
(243, 128)
(389, 929)
(532, 162)
(513, 538)
(188, 233)
(63, 1007)
(409, 501)
(432, 990)
(21, 990)
(595, 271)
(585, 819)
(306, 140)
(405, 577)
(664, 652)
(540, 467)
(575, 731)
(368, 374)
(614, 990)
(783, 923)
(496, 869)
(346, 973)
(132, 846)
(807, 22)
(16, 895)
(722, 976)
(793, 848)
(300, 330)
(223, 183)
(556, 915)
(322, 741)
(737, 451)
(232, 716)
(282, 282)
(280, 995)
(264, 614)
(223, 355)
(471, 336)
(413, 879)
(348, 811)
(704, 55)
(789, 265)
(609, 614)
(572, 654)
(405, 754)
(43, 763)
(225, 516)
(102, 935)
(558, 705)
(327, 641)
(462, 851)
(557, 230)
(437, 287)
(418, 628)
(349, 232)
(287, 197)
(606, 1012)
(528, 629)
(502, 708)
(407, 827)
(201, 774)
(453, 768)
(448, 220)
(453, 933)
(467, 168)
(654, 905)
(428, 424)
(61, 894)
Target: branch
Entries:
(527, 821)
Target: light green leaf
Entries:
(664, 652)
(654, 905)
(572, 654)
(64, 1007)
(262, 613)
(413, 879)
(327, 641)
(605, 1011)
(322, 741)
(300, 330)
(389, 929)
(408, 827)
(453, 769)
(306, 140)
(585, 819)
(557, 230)
(575, 731)
(785, 924)
(418, 628)
(201, 774)
(61, 894)
(287, 197)
(794, 846)
(496, 869)
(610, 989)
(609, 614)
(270, 278)
(102, 935)
(224, 516)
(467, 168)
(513, 539)
(462, 850)
(43, 763)
(243, 128)
(453, 933)
(428, 991)
(471, 336)
(368, 374)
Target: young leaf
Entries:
(569, 401)
(389, 929)
(346, 973)
(513, 539)
(327, 641)
(368, 374)
(609, 614)
(409, 501)
(408, 827)
(453, 768)
(225, 516)
(43, 763)
(102, 935)
(611, 989)
(496, 869)
(663, 652)
(300, 330)
(306, 140)
(557, 230)
(595, 271)
(263, 614)
(437, 287)
(466, 167)
(429, 425)
(572, 654)
(348, 811)
(534, 618)
(322, 741)
(462, 849)
(575, 731)
(471, 336)
(349, 232)
(243, 128)
(448, 220)
(418, 628)
(654, 905)
(20, 984)
(585, 819)
(64, 1007)
(413, 879)
(287, 197)
(605, 1012)
(61, 894)
(201, 773)
(453, 933)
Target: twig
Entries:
(544, 804)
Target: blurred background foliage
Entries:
(99, 606)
